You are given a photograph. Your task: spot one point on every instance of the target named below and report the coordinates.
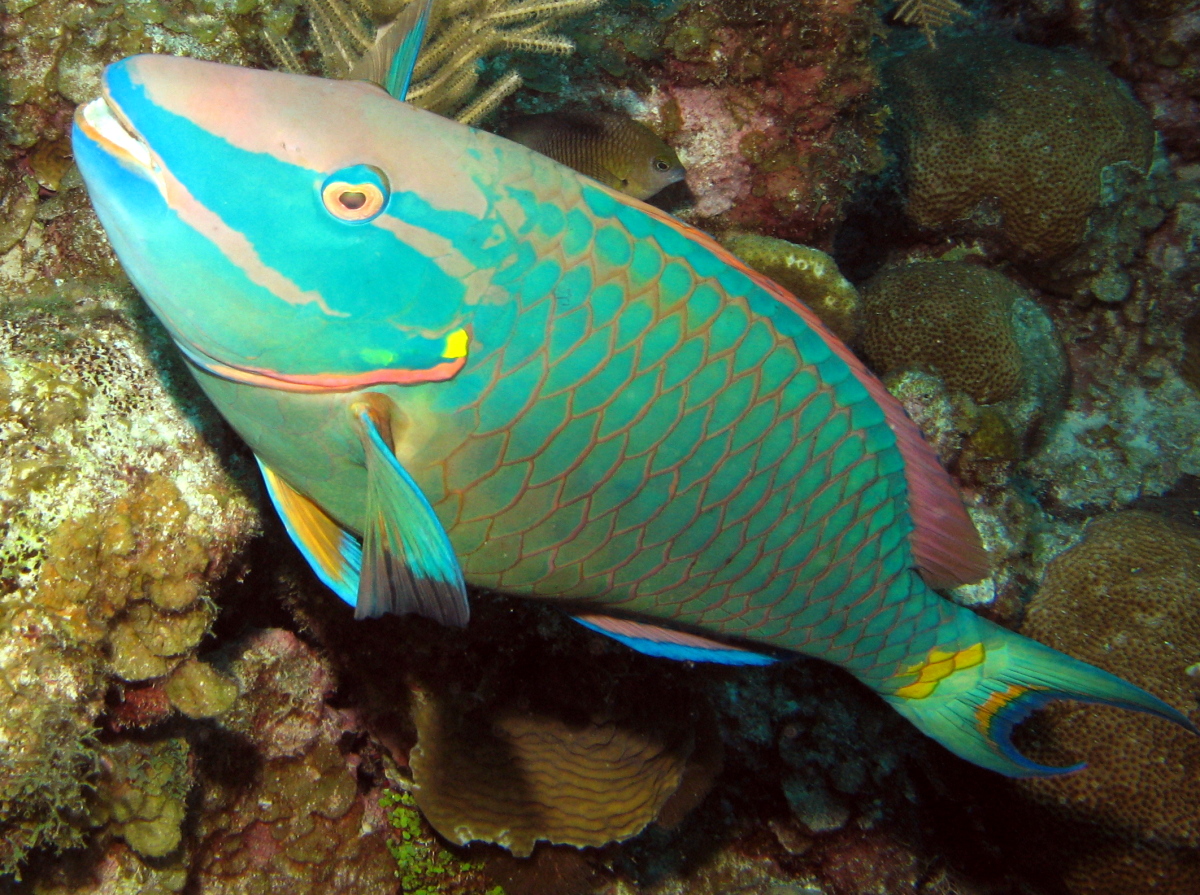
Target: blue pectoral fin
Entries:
(334, 554)
(408, 563)
(670, 644)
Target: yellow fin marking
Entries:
(456, 345)
(317, 531)
(969, 657)
(917, 690)
(939, 665)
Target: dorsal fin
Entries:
(944, 541)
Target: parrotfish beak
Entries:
(214, 183)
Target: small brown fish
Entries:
(612, 148)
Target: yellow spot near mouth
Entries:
(456, 344)
(940, 664)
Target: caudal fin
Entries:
(971, 707)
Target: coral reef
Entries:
(1011, 140)
(1127, 598)
(280, 804)
(1130, 429)
(117, 516)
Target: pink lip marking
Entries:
(322, 382)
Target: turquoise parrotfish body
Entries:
(459, 361)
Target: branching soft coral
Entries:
(461, 32)
(929, 15)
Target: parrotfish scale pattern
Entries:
(685, 446)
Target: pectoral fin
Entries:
(408, 563)
(334, 554)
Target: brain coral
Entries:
(1012, 138)
(948, 317)
(1126, 599)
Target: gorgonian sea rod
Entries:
(458, 361)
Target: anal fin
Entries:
(654, 640)
(334, 554)
(409, 565)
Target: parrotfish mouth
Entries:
(102, 122)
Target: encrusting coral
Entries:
(769, 104)
(1127, 599)
(808, 273)
(279, 803)
(1010, 140)
(105, 558)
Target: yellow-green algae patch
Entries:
(143, 791)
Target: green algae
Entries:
(422, 865)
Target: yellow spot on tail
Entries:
(938, 665)
(456, 345)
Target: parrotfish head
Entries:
(288, 230)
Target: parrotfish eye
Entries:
(661, 164)
(355, 194)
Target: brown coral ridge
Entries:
(1126, 599)
(1010, 140)
(515, 777)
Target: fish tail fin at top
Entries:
(973, 707)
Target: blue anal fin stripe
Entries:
(666, 643)
(334, 554)
(409, 565)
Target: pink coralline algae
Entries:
(770, 108)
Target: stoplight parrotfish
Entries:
(459, 361)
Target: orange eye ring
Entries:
(355, 194)
(352, 201)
